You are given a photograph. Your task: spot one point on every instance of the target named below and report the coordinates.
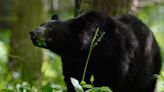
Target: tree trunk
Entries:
(6, 11)
(77, 7)
(29, 15)
(110, 7)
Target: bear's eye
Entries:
(50, 27)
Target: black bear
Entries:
(125, 59)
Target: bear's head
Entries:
(54, 35)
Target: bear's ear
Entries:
(55, 17)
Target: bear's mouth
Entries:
(38, 42)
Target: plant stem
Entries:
(85, 68)
(96, 38)
(89, 54)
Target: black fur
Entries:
(125, 59)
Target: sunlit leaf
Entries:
(76, 85)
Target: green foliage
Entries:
(46, 89)
(52, 70)
(152, 15)
(5, 35)
(4, 53)
(41, 43)
(26, 87)
(79, 88)
(100, 89)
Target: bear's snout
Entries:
(33, 35)
(38, 38)
(36, 34)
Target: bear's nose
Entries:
(31, 33)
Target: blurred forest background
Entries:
(28, 68)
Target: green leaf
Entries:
(92, 79)
(76, 85)
(100, 89)
(46, 89)
(41, 43)
(155, 76)
(89, 86)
